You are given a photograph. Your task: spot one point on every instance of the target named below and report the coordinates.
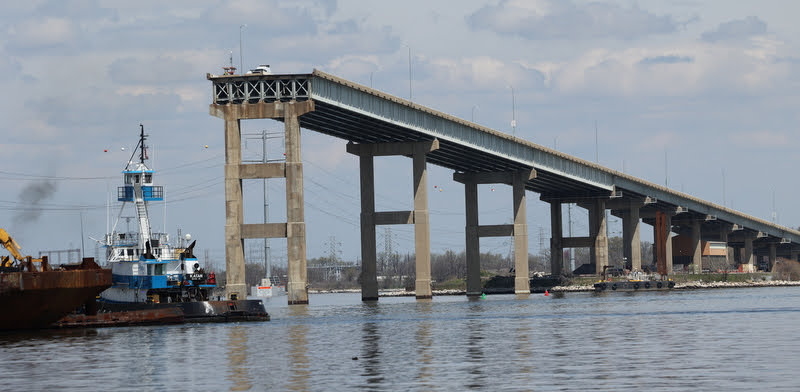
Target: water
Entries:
(702, 340)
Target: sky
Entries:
(698, 95)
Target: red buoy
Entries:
(546, 293)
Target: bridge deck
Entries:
(359, 114)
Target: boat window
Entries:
(130, 252)
(148, 178)
(135, 178)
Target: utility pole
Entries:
(596, 142)
(267, 261)
(241, 55)
(410, 96)
(724, 202)
(513, 113)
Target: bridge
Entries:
(378, 124)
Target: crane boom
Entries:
(10, 244)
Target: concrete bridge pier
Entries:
(696, 246)
(724, 231)
(369, 273)
(419, 216)
(556, 239)
(773, 252)
(234, 215)
(474, 231)
(748, 263)
(294, 230)
(598, 253)
(631, 240)
(473, 244)
(522, 283)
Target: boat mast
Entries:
(139, 201)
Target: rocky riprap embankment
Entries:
(578, 288)
(694, 285)
(388, 292)
(755, 283)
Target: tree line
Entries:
(396, 270)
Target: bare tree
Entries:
(786, 269)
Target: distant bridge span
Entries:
(378, 124)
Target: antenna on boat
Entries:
(143, 150)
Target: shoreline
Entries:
(693, 285)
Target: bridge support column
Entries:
(632, 245)
(522, 282)
(235, 287)
(297, 286)
(474, 231)
(419, 216)
(697, 247)
(294, 230)
(749, 258)
(723, 237)
(369, 275)
(557, 232)
(598, 253)
(422, 227)
(773, 251)
(473, 247)
(663, 242)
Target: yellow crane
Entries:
(14, 248)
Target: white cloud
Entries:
(675, 71)
(41, 32)
(658, 141)
(736, 30)
(564, 19)
(479, 72)
(763, 138)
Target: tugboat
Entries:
(148, 272)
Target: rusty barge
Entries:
(36, 298)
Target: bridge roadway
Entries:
(378, 124)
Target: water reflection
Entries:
(424, 342)
(581, 342)
(237, 359)
(524, 349)
(298, 350)
(370, 345)
(475, 337)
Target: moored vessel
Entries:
(634, 285)
(34, 297)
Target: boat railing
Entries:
(131, 239)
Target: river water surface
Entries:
(692, 340)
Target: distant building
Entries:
(714, 253)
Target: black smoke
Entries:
(31, 198)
